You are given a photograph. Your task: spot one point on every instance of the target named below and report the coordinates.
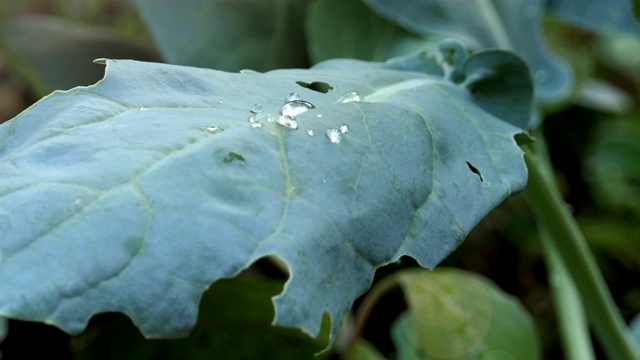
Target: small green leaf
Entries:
(458, 315)
(135, 194)
(364, 350)
(228, 35)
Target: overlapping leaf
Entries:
(617, 15)
(228, 34)
(507, 24)
(135, 194)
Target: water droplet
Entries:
(540, 76)
(210, 129)
(319, 115)
(256, 108)
(292, 96)
(295, 107)
(254, 121)
(344, 128)
(288, 121)
(78, 202)
(248, 72)
(262, 117)
(334, 135)
(310, 132)
(144, 107)
(220, 102)
(349, 97)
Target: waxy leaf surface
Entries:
(135, 194)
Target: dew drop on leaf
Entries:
(144, 107)
(334, 135)
(256, 108)
(319, 115)
(310, 132)
(220, 102)
(288, 121)
(292, 96)
(349, 97)
(210, 129)
(262, 117)
(254, 121)
(295, 107)
(344, 128)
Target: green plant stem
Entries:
(574, 329)
(365, 308)
(550, 210)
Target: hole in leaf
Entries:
(318, 86)
(475, 171)
(233, 156)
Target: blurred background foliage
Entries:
(593, 135)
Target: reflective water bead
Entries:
(349, 97)
(254, 122)
(319, 115)
(288, 121)
(295, 107)
(310, 132)
(344, 128)
(256, 108)
(292, 96)
(262, 117)
(334, 135)
(144, 107)
(210, 129)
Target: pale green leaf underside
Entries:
(114, 198)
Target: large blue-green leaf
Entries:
(596, 15)
(508, 24)
(135, 194)
(228, 34)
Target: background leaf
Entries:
(203, 194)
(228, 35)
(511, 24)
(349, 29)
(454, 314)
(617, 15)
(234, 323)
(57, 54)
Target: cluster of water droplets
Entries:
(294, 106)
(286, 117)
